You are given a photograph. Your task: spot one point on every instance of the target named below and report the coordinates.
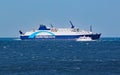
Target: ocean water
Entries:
(59, 57)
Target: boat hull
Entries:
(72, 37)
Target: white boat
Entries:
(84, 38)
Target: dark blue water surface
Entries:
(59, 57)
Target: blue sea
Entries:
(59, 57)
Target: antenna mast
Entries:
(72, 26)
(91, 28)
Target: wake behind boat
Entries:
(84, 38)
(44, 32)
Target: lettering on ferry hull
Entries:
(44, 36)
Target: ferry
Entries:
(44, 32)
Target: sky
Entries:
(25, 15)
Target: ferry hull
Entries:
(72, 37)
